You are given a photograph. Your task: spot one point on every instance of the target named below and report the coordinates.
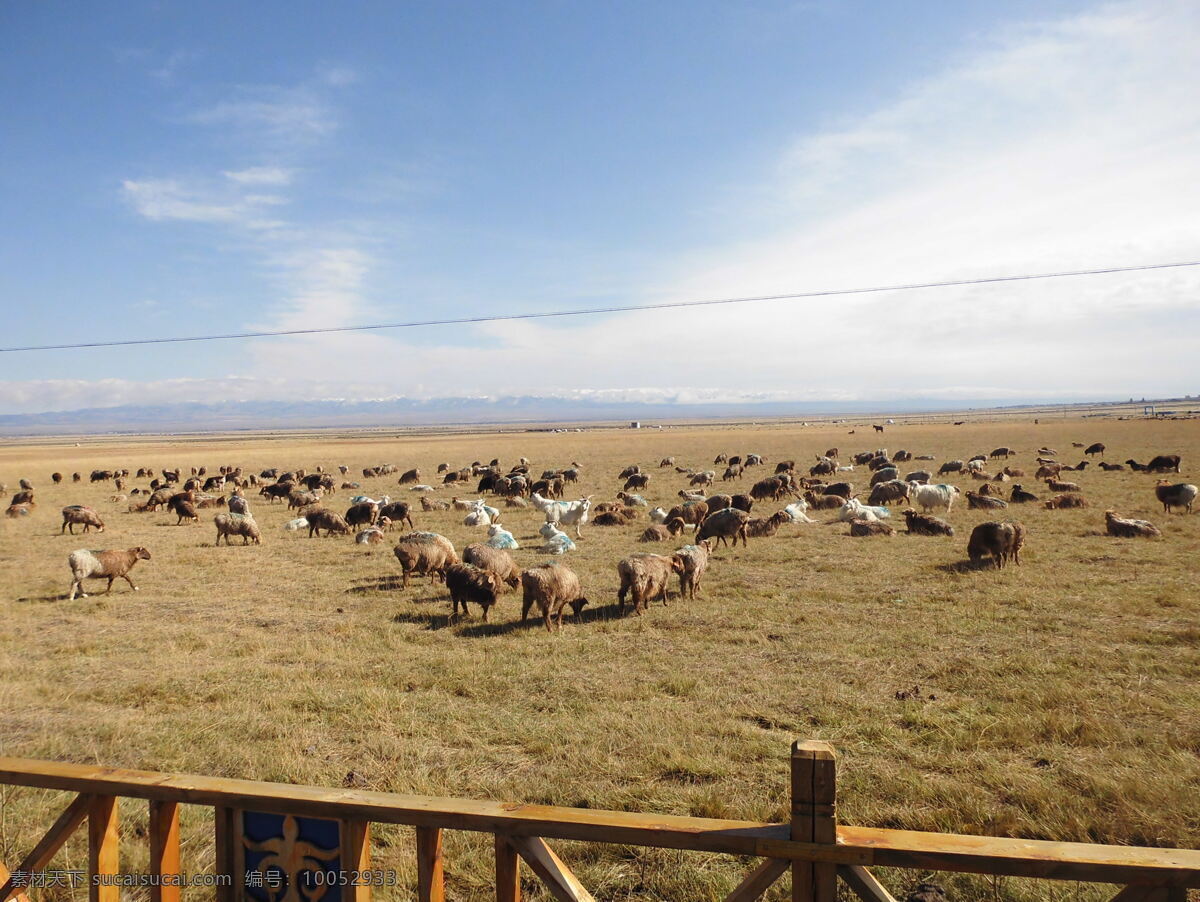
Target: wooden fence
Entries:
(812, 846)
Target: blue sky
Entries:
(171, 168)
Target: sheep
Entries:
(690, 512)
(1062, 502)
(426, 554)
(928, 497)
(704, 479)
(13, 511)
(823, 502)
(410, 476)
(1110, 467)
(922, 525)
(797, 511)
(432, 504)
(237, 525)
(724, 525)
(621, 517)
(1006, 453)
(364, 513)
(551, 586)
(494, 560)
(499, 537)
(888, 492)
(854, 509)
(78, 514)
(883, 474)
(557, 541)
(976, 501)
(185, 509)
(645, 577)
(1179, 495)
(56, 478)
(422, 488)
(823, 467)
(636, 481)
(658, 515)
(469, 583)
(1056, 486)
(514, 502)
(765, 527)
(694, 561)
(1002, 541)
(477, 517)
(656, 533)
(732, 473)
(1129, 529)
(1164, 463)
(667, 462)
(860, 528)
(297, 499)
(372, 535)
(297, 524)
(692, 496)
(24, 497)
(1095, 448)
(103, 564)
(1047, 471)
(322, 518)
(632, 500)
(1020, 496)
(721, 459)
(631, 470)
(237, 503)
(921, 476)
(400, 511)
(950, 466)
(1014, 472)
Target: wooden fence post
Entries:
(164, 851)
(508, 871)
(103, 848)
(814, 817)
(431, 881)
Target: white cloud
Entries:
(286, 114)
(260, 175)
(169, 199)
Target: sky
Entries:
(171, 168)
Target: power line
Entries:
(594, 311)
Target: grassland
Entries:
(1057, 700)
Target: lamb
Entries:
(494, 560)
(237, 525)
(76, 514)
(862, 528)
(765, 527)
(922, 525)
(1179, 495)
(928, 497)
(694, 561)
(426, 554)
(551, 586)
(976, 501)
(1002, 541)
(645, 576)
(724, 525)
(1129, 529)
(103, 564)
(469, 583)
(1062, 502)
(322, 518)
(1020, 496)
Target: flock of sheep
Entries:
(486, 568)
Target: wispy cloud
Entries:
(260, 175)
(292, 114)
(168, 199)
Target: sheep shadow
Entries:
(44, 599)
(589, 614)
(968, 566)
(429, 621)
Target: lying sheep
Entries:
(494, 560)
(856, 510)
(237, 525)
(656, 533)
(658, 515)
(1062, 502)
(622, 517)
(499, 537)
(469, 583)
(372, 535)
(924, 525)
(297, 524)
(694, 562)
(1056, 486)
(1124, 528)
(103, 565)
(863, 528)
(557, 541)
(765, 527)
(76, 514)
(976, 501)
(426, 554)
(645, 577)
(1001, 541)
(551, 586)
(1179, 495)
(1020, 496)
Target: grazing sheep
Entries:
(920, 476)
(467, 582)
(494, 560)
(1001, 541)
(631, 470)
(1020, 496)
(922, 525)
(1062, 502)
(690, 512)
(1179, 495)
(401, 511)
(1006, 453)
(636, 481)
(237, 525)
(889, 492)
(725, 525)
(863, 528)
(1096, 448)
(950, 466)
(77, 514)
(976, 501)
(364, 513)
(322, 518)
(694, 561)
(426, 554)
(884, 474)
(103, 565)
(645, 576)
(765, 527)
(705, 479)
(1124, 528)
(185, 509)
(667, 462)
(551, 586)
(297, 499)
(410, 476)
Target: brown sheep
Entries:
(298, 499)
(365, 513)
(56, 478)
(372, 535)
(1107, 466)
(469, 583)
(724, 525)
(103, 564)
(823, 502)
(636, 482)
(631, 470)
(765, 527)
(667, 462)
(656, 533)
(1124, 528)
(1047, 471)
(426, 554)
(401, 511)
(925, 525)
(1056, 486)
(1062, 502)
(76, 514)
(690, 512)
(1001, 541)
(13, 511)
(237, 525)
(888, 493)
(411, 476)
(863, 528)
(551, 586)
(976, 501)
(694, 561)
(494, 560)
(1179, 495)
(185, 510)
(322, 518)
(431, 504)
(23, 497)
(622, 517)
(645, 576)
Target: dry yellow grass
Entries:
(1058, 700)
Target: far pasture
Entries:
(1056, 699)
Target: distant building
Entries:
(635, 424)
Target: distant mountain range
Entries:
(257, 415)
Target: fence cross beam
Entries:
(66, 824)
